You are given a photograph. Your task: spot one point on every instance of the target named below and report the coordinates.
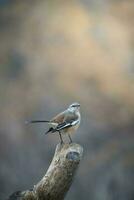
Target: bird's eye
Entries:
(75, 106)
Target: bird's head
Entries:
(74, 107)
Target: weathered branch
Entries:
(58, 179)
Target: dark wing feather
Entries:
(49, 130)
(62, 126)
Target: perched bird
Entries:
(65, 122)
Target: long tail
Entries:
(37, 121)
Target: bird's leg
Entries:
(70, 138)
(61, 140)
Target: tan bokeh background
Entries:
(51, 54)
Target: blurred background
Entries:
(53, 53)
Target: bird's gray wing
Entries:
(70, 119)
(58, 118)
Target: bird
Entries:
(65, 122)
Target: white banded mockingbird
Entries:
(65, 122)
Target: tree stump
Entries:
(59, 176)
